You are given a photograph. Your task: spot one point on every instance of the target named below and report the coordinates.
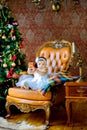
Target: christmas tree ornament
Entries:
(21, 46)
(4, 65)
(15, 23)
(3, 37)
(11, 58)
(13, 64)
(14, 57)
(12, 31)
(10, 26)
(13, 37)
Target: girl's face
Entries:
(41, 64)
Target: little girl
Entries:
(40, 76)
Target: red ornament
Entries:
(14, 57)
(22, 39)
(21, 46)
(12, 31)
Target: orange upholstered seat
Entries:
(19, 93)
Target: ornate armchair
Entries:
(58, 55)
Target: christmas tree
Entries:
(12, 60)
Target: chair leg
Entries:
(47, 111)
(7, 106)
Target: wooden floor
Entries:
(58, 118)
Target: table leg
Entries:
(68, 110)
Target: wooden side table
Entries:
(74, 92)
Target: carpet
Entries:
(6, 125)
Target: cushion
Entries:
(27, 94)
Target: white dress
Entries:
(35, 82)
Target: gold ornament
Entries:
(3, 37)
(4, 65)
(13, 64)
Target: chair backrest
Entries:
(58, 54)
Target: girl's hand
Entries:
(31, 70)
(15, 76)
